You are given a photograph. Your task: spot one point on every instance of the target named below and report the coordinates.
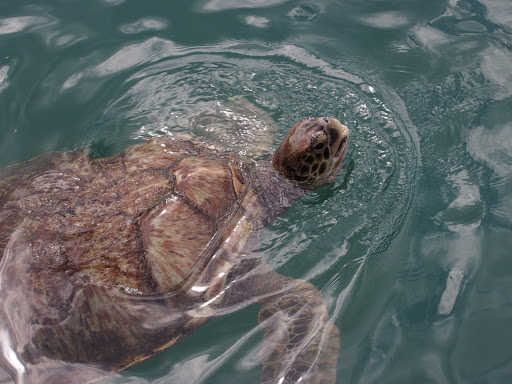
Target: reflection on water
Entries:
(18, 24)
(491, 144)
(386, 20)
(144, 25)
(222, 5)
(256, 21)
(305, 12)
(4, 70)
(463, 217)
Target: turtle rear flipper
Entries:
(301, 344)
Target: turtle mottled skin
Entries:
(105, 262)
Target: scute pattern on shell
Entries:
(207, 184)
(81, 233)
(174, 237)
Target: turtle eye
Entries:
(319, 146)
(318, 141)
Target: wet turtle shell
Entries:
(106, 262)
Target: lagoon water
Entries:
(411, 247)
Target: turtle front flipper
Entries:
(238, 126)
(301, 344)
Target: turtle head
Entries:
(314, 151)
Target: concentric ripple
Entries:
(328, 236)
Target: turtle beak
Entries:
(338, 135)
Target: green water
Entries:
(410, 247)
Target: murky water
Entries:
(410, 247)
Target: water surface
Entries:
(410, 246)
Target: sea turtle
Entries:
(107, 261)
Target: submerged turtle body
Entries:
(106, 262)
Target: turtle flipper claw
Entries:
(301, 344)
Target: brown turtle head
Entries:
(314, 151)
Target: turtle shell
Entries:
(105, 262)
(90, 240)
